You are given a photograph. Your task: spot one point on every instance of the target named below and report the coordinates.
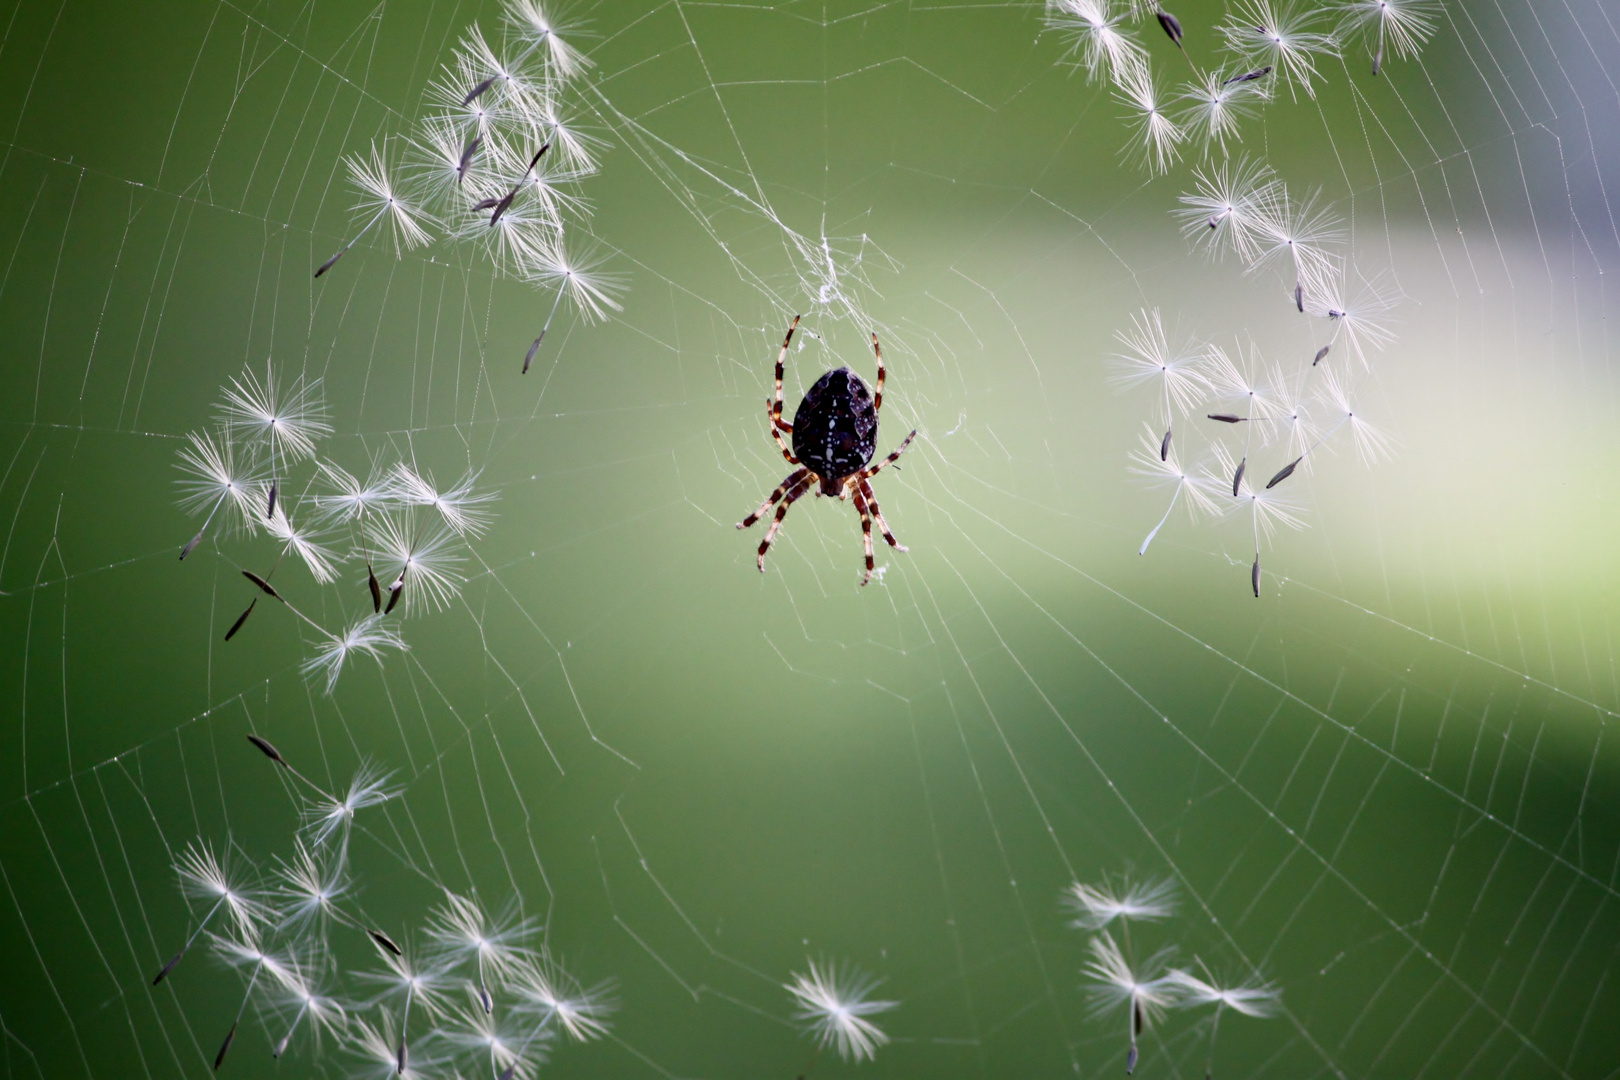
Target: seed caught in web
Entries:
(264, 586)
(1164, 447)
(225, 1047)
(376, 589)
(191, 544)
(1237, 477)
(529, 357)
(505, 204)
(1320, 353)
(385, 942)
(267, 750)
(466, 158)
(160, 976)
(502, 206)
(1249, 76)
(1254, 577)
(329, 263)
(1284, 473)
(1226, 418)
(240, 619)
(396, 590)
(1172, 27)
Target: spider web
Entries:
(1384, 786)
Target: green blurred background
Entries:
(1388, 784)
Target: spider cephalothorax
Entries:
(834, 436)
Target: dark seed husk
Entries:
(240, 619)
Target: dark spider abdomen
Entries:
(835, 429)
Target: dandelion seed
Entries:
(216, 476)
(419, 985)
(1253, 998)
(503, 204)
(1227, 418)
(264, 586)
(1164, 447)
(485, 204)
(1320, 354)
(1232, 208)
(1149, 356)
(203, 877)
(1371, 444)
(1403, 24)
(1095, 906)
(461, 932)
(1172, 26)
(1237, 477)
(329, 816)
(267, 750)
(428, 553)
(1254, 577)
(1248, 76)
(478, 1031)
(1157, 134)
(1356, 305)
(1284, 473)
(367, 636)
(299, 996)
(303, 543)
(467, 156)
(1301, 232)
(378, 193)
(287, 423)
(1095, 38)
(478, 91)
(1115, 983)
(1282, 37)
(1213, 111)
(385, 942)
(240, 619)
(243, 951)
(377, 1050)
(225, 1047)
(1167, 469)
(462, 508)
(591, 292)
(529, 20)
(311, 890)
(376, 590)
(833, 1006)
(545, 989)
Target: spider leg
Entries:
(781, 359)
(781, 512)
(783, 446)
(877, 395)
(877, 515)
(866, 530)
(774, 405)
(781, 489)
(873, 470)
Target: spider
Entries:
(834, 434)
